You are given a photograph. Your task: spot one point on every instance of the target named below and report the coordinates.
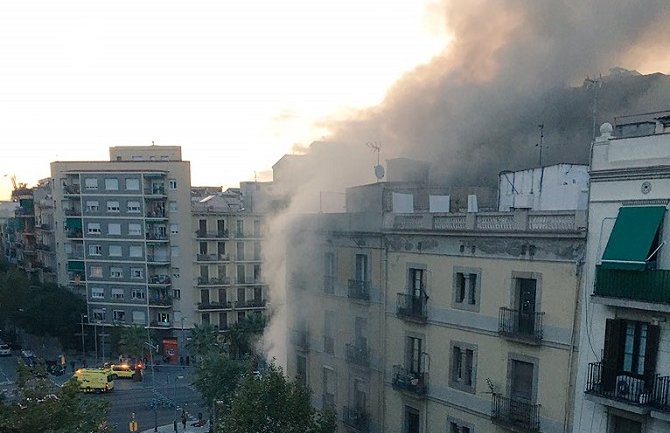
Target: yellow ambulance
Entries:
(94, 380)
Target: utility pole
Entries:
(541, 142)
(83, 347)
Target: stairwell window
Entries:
(466, 288)
(91, 183)
(463, 366)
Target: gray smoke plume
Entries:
(474, 110)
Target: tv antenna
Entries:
(540, 144)
(596, 83)
(379, 169)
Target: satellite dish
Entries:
(379, 171)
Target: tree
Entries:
(242, 335)
(203, 340)
(271, 403)
(42, 407)
(217, 377)
(132, 341)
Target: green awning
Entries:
(75, 266)
(630, 243)
(73, 223)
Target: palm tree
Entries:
(203, 340)
(242, 335)
(132, 341)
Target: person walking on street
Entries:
(183, 418)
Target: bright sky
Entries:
(236, 83)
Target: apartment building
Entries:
(123, 236)
(624, 358)
(227, 259)
(45, 239)
(467, 316)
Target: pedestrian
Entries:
(183, 418)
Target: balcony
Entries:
(43, 247)
(521, 327)
(163, 301)
(356, 419)
(213, 305)
(45, 227)
(163, 280)
(157, 236)
(159, 260)
(620, 387)
(159, 191)
(301, 340)
(515, 415)
(76, 277)
(75, 255)
(357, 355)
(359, 290)
(662, 393)
(204, 234)
(412, 308)
(649, 286)
(251, 303)
(72, 212)
(157, 324)
(212, 258)
(74, 234)
(71, 190)
(220, 281)
(412, 382)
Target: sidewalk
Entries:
(169, 428)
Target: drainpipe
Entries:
(385, 262)
(569, 401)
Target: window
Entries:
(205, 318)
(176, 272)
(176, 293)
(134, 229)
(240, 228)
(112, 184)
(115, 272)
(163, 318)
(113, 206)
(132, 184)
(114, 229)
(241, 316)
(466, 288)
(174, 251)
(135, 251)
(202, 247)
(329, 388)
(257, 228)
(174, 229)
(463, 367)
(92, 206)
(414, 362)
(117, 293)
(172, 206)
(119, 316)
(459, 426)
(115, 251)
(329, 273)
(94, 250)
(139, 317)
(134, 207)
(240, 251)
(97, 292)
(412, 421)
(99, 314)
(417, 285)
(91, 183)
(96, 271)
(301, 369)
(138, 294)
(172, 184)
(136, 273)
(329, 332)
(241, 278)
(93, 228)
(620, 424)
(361, 267)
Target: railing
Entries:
(519, 325)
(515, 414)
(301, 339)
(152, 258)
(359, 289)
(616, 385)
(71, 189)
(329, 284)
(355, 418)
(251, 303)
(645, 286)
(156, 214)
(159, 279)
(72, 212)
(154, 191)
(213, 281)
(328, 344)
(157, 324)
(157, 236)
(76, 277)
(74, 233)
(412, 307)
(45, 226)
(213, 305)
(75, 255)
(215, 235)
(662, 393)
(162, 301)
(357, 355)
(405, 380)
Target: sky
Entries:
(236, 83)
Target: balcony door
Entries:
(361, 268)
(521, 392)
(526, 297)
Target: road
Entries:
(129, 396)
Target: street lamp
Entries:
(83, 347)
(177, 377)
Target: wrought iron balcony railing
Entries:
(359, 289)
(412, 307)
(518, 325)
(357, 355)
(616, 385)
(356, 418)
(515, 414)
(405, 380)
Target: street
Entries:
(129, 396)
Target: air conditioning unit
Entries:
(629, 388)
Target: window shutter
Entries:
(653, 333)
(611, 353)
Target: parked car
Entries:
(5, 350)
